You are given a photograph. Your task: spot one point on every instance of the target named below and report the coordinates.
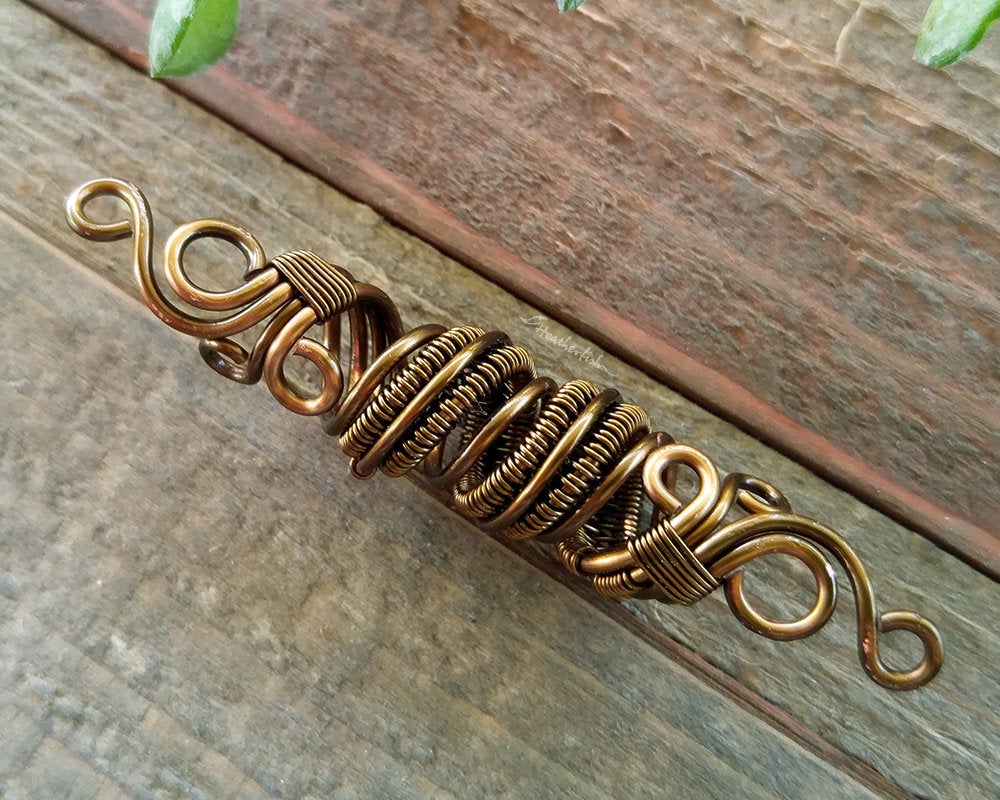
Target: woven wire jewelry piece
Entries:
(464, 408)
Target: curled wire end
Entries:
(814, 544)
(925, 669)
(88, 228)
(692, 547)
(770, 527)
(288, 296)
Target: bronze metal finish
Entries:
(464, 409)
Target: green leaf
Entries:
(189, 35)
(951, 28)
(569, 5)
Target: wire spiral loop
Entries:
(292, 293)
(515, 452)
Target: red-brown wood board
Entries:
(766, 205)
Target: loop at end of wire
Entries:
(735, 545)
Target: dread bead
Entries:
(464, 410)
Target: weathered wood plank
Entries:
(811, 226)
(192, 612)
(234, 611)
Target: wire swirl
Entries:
(292, 293)
(690, 546)
(570, 464)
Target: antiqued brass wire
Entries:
(465, 409)
(293, 292)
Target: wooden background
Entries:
(767, 205)
(196, 600)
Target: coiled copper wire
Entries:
(536, 469)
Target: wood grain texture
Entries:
(773, 188)
(295, 633)
(167, 634)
